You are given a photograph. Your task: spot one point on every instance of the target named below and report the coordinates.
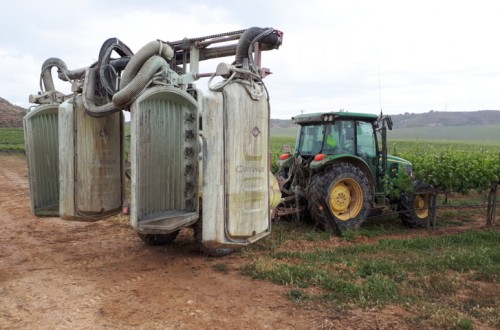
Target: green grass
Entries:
(445, 280)
(11, 139)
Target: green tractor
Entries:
(340, 173)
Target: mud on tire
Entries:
(339, 196)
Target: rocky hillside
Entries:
(11, 115)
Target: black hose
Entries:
(88, 97)
(108, 73)
(119, 64)
(248, 38)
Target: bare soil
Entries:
(67, 274)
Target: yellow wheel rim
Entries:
(421, 206)
(345, 199)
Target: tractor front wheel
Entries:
(339, 196)
(418, 208)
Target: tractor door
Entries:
(366, 146)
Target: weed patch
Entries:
(428, 275)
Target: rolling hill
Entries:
(429, 119)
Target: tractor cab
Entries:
(326, 137)
(355, 137)
(344, 136)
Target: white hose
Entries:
(153, 48)
(129, 93)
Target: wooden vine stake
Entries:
(490, 219)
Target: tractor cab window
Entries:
(365, 139)
(311, 139)
(339, 137)
(346, 128)
(332, 139)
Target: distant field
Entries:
(291, 131)
(483, 134)
(11, 139)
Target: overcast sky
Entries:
(360, 56)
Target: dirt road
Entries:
(57, 274)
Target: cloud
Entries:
(16, 72)
(426, 54)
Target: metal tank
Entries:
(90, 163)
(41, 141)
(164, 160)
(236, 194)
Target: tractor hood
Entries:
(399, 160)
(396, 164)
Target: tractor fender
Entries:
(287, 162)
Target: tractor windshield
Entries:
(311, 139)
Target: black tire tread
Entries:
(406, 206)
(318, 190)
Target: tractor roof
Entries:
(330, 116)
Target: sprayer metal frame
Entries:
(192, 51)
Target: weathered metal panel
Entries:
(91, 162)
(41, 141)
(164, 160)
(213, 210)
(236, 199)
(67, 160)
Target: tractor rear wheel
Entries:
(158, 239)
(339, 196)
(418, 208)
